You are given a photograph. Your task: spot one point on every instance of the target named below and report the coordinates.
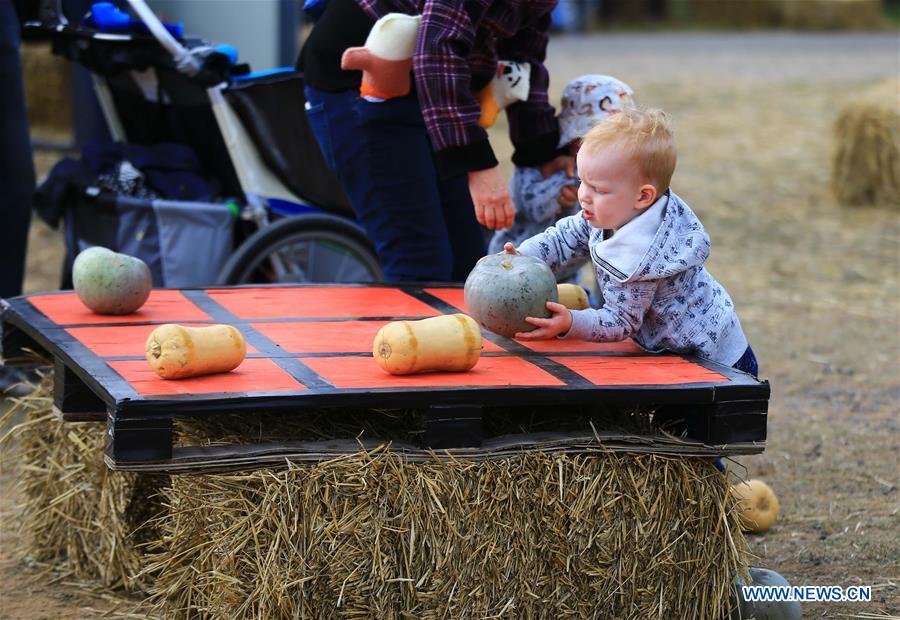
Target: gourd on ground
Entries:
(503, 289)
(177, 351)
(111, 283)
(573, 297)
(758, 505)
(442, 343)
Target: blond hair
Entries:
(645, 135)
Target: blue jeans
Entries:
(16, 165)
(747, 363)
(423, 227)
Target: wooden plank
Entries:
(309, 348)
(721, 422)
(138, 440)
(452, 426)
(16, 346)
(73, 401)
(210, 459)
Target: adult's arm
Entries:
(533, 129)
(442, 76)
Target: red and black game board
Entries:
(310, 346)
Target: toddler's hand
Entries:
(509, 248)
(568, 196)
(559, 323)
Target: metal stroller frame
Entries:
(249, 131)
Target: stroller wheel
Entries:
(312, 247)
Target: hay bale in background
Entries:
(744, 14)
(866, 156)
(831, 14)
(48, 89)
(75, 513)
(370, 535)
(790, 14)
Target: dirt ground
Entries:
(817, 287)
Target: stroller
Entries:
(280, 214)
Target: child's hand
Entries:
(568, 196)
(559, 323)
(509, 248)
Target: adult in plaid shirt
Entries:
(419, 169)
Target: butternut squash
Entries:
(451, 342)
(573, 296)
(177, 352)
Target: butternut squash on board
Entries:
(451, 342)
(177, 352)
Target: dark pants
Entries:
(16, 166)
(748, 363)
(423, 227)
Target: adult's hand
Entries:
(490, 195)
(561, 162)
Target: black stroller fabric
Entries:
(151, 202)
(271, 109)
(170, 171)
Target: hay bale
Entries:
(745, 14)
(48, 88)
(375, 535)
(371, 535)
(866, 155)
(75, 513)
(831, 14)
(790, 14)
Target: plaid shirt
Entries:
(459, 43)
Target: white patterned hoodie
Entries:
(655, 287)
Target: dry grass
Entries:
(48, 88)
(373, 535)
(370, 535)
(866, 160)
(74, 513)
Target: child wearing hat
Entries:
(540, 202)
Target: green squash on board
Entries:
(111, 283)
(503, 289)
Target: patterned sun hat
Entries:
(587, 100)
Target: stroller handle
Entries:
(184, 60)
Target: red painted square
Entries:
(163, 306)
(253, 375)
(556, 345)
(120, 340)
(364, 372)
(647, 370)
(320, 302)
(330, 336)
(453, 296)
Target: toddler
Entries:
(539, 202)
(647, 247)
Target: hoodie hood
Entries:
(665, 240)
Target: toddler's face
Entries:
(610, 189)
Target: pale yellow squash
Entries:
(176, 351)
(573, 296)
(451, 342)
(757, 504)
